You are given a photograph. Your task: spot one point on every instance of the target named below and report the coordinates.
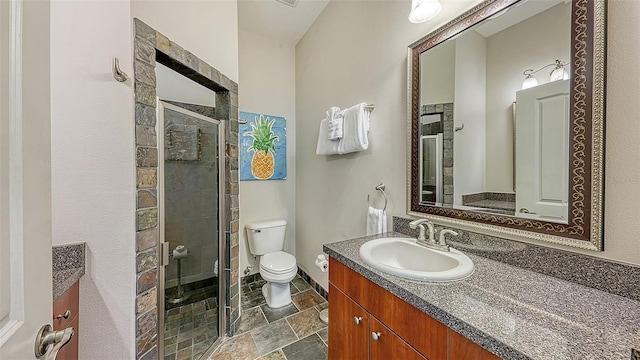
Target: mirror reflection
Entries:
(494, 128)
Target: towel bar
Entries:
(381, 188)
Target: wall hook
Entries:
(458, 128)
(118, 74)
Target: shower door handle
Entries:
(165, 253)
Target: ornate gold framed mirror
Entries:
(471, 146)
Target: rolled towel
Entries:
(326, 146)
(334, 115)
(355, 130)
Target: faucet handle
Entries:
(414, 224)
(443, 232)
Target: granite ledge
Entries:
(515, 313)
(68, 267)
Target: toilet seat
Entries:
(278, 263)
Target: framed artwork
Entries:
(263, 147)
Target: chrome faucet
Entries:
(431, 241)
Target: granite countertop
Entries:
(68, 267)
(493, 204)
(513, 312)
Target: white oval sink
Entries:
(405, 258)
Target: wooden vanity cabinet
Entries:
(405, 331)
(349, 334)
(69, 301)
(357, 335)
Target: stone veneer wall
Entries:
(149, 46)
(447, 147)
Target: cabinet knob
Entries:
(66, 315)
(376, 336)
(357, 319)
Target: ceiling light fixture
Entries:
(424, 10)
(291, 3)
(558, 73)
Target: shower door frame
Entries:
(163, 248)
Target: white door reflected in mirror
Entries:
(542, 151)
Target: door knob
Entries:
(357, 319)
(376, 336)
(49, 342)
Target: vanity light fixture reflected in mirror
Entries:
(424, 10)
(559, 73)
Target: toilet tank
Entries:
(266, 236)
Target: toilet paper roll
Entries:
(180, 252)
(322, 263)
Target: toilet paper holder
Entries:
(322, 262)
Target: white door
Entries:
(542, 151)
(25, 177)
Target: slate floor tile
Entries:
(300, 284)
(279, 313)
(273, 336)
(324, 335)
(306, 323)
(251, 319)
(309, 348)
(241, 347)
(276, 355)
(306, 299)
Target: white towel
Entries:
(334, 115)
(376, 221)
(355, 129)
(326, 146)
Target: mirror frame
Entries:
(586, 146)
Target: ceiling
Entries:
(277, 20)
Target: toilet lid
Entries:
(277, 262)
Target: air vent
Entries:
(289, 2)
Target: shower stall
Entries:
(191, 197)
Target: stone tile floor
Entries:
(293, 332)
(190, 329)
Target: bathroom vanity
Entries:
(68, 268)
(367, 319)
(500, 311)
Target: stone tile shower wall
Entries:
(150, 45)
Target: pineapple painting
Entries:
(262, 147)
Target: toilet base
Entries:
(277, 295)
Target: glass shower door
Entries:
(191, 202)
(431, 168)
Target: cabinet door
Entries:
(348, 328)
(386, 345)
(461, 348)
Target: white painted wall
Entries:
(267, 78)
(355, 51)
(93, 178)
(208, 29)
(437, 74)
(469, 108)
(372, 39)
(92, 156)
(547, 37)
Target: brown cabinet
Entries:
(355, 334)
(69, 304)
(404, 331)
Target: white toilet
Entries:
(278, 268)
